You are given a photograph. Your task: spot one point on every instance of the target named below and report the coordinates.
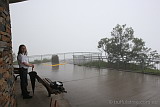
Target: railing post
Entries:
(99, 61)
(64, 58)
(41, 58)
(91, 57)
(73, 59)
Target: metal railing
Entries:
(103, 61)
(81, 58)
(63, 57)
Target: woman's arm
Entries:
(27, 64)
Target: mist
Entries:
(59, 26)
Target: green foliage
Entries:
(37, 61)
(124, 66)
(46, 60)
(118, 46)
(98, 64)
(15, 63)
(149, 71)
(124, 47)
(41, 61)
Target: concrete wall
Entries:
(7, 96)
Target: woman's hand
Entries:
(32, 65)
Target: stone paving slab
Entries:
(92, 87)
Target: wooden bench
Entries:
(17, 72)
(46, 83)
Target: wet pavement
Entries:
(92, 87)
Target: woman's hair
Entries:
(20, 52)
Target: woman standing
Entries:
(24, 64)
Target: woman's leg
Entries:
(24, 81)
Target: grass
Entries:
(149, 71)
(129, 66)
(98, 64)
(40, 61)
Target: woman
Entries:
(23, 63)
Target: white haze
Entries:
(55, 26)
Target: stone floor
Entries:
(40, 97)
(92, 87)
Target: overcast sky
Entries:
(55, 26)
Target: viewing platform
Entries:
(93, 87)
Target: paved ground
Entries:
(40, 98)
(91, 87)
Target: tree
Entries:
(118, 46)
(152, 59)
(124, 47)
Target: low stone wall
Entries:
(7, 90)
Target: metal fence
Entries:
(69, 57)
(81, 58)
(103, 61)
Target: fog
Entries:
(58, 26)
